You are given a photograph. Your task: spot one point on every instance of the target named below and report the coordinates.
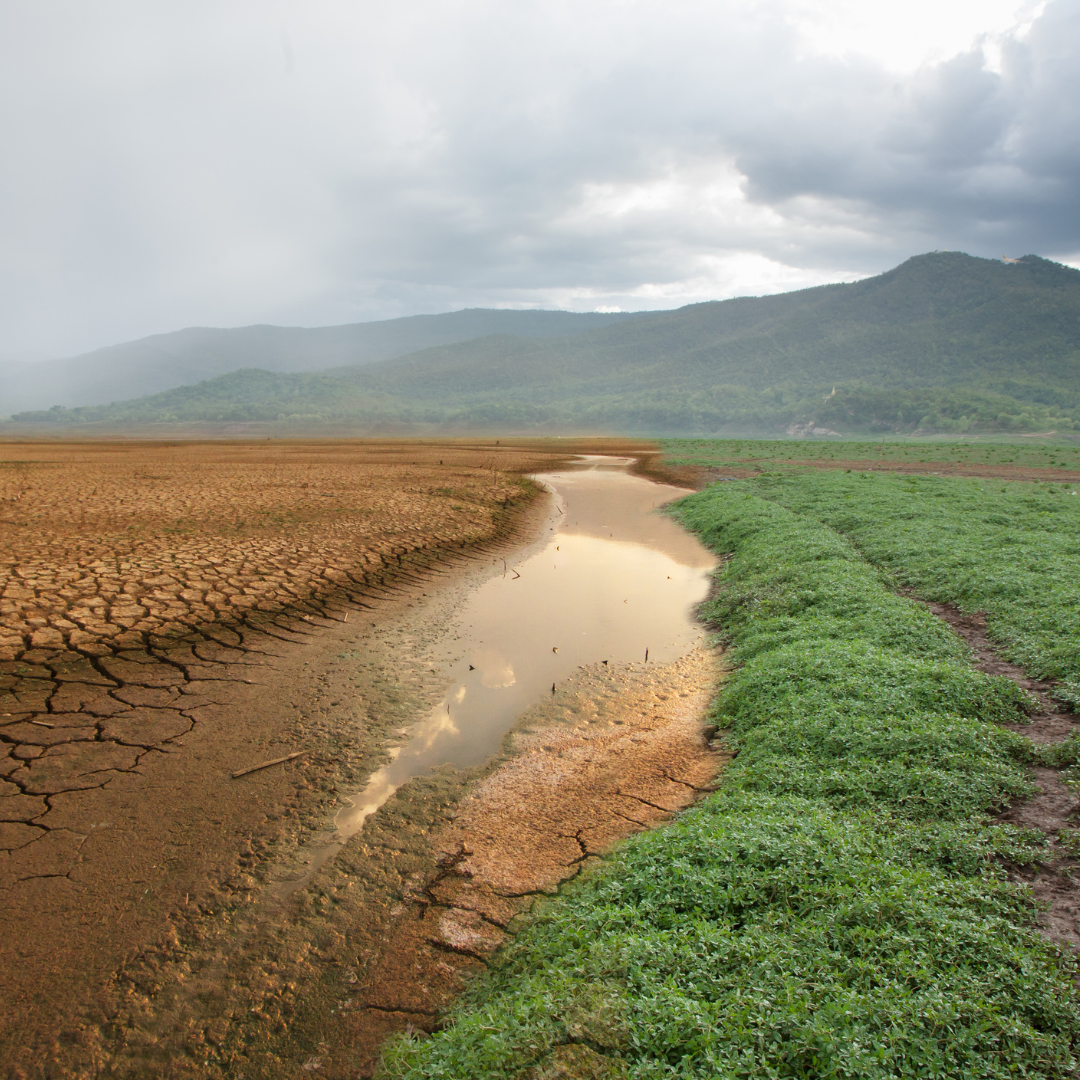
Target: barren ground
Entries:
(171, 613)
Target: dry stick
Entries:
(267, 764)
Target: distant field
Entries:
(1009, 550)
(839, 907)
(760, 454)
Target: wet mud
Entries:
(614, 581)
(1055, 810)
(619, 752)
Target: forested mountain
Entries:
(943, 342)
(164, 361)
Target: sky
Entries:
(225, 162)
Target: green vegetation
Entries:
(1006, 549)
(944, 342)
(836, 909)
(1011, 550)
(770, 454)
(184, 357)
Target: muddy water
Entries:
(615, 581)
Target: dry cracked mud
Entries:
(173, 613)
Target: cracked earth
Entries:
(171, 614)
(134, 581)
(146, 590)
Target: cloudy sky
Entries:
(223, 162)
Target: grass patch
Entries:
(1011, 550)
(770, 454)
(836, 909)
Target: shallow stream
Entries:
(615, 582)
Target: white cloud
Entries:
(904, 37)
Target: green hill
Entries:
(164, 361)
(944, 342)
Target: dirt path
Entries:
(1056, 809)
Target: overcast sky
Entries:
(219, 162)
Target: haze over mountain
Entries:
(943, 342)
(164, 361)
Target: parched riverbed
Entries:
(611, 582)
(471, 742)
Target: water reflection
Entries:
(614, 580)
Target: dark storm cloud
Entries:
(226, 163)
(971, 157)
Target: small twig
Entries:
(41, 723)
(267, 764)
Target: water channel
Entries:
(616, 581)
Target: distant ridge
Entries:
(944, 342)
(164, 361)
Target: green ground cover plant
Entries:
(836, 908)
(769, 454)
(1008, 549)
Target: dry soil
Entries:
(173, 613)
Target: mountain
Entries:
(153, 364)
(943, 342)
